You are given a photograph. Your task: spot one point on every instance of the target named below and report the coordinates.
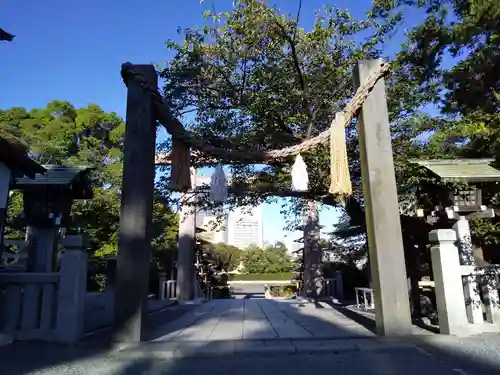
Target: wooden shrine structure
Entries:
(145, 107)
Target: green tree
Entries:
(254, 79)
(63, 134)
(449, 61)
(224, 257)
(273, 259)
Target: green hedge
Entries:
(262, 276)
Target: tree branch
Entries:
(301, 78)
(269, 190)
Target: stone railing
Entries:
(46, 306)
(367, 301)
(459, 288)
(481, 295)
(28, 304)
(168, 288)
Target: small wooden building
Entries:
(14, 162)
(48, 197)
(462, 186)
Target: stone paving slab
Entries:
(167, 350)
(238, 319)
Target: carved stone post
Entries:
(462, 228)
(490, 286)
(385, 242)
(162, 280)
(470, 282)
(447, 276)
(72, 290)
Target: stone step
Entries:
(186, 349)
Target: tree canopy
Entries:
(63, 134)
(252, 78)
(272, 259)
(224, 257)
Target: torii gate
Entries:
(145, 107)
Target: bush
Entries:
(268, 260)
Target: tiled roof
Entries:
(462, 170)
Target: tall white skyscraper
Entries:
(245, 227)
(207, 219)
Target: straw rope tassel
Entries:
(339, 168)
(180, 175)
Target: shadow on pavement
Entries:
(336, 349)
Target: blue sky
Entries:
(73, 50)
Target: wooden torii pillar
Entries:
(134, 251)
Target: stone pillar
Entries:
(339, 285)
(187, 243)
(471, 286)
(490, 286)
(72, 290)
(447, 277)
(385, 241)
(462, 228)
(134, 249)
(162, 279)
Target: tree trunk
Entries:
(313, 277)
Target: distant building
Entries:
(240, 228)
(245, 227)
(207, 219)
(292, 246)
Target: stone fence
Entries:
(46, 306)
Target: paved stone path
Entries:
(257, 327)
(259, 319)
(262, 337)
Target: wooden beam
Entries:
(198, 159)
(134, 252)
(385, 241)
(163, 158)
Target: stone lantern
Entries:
(466, 186)
(47, 206)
